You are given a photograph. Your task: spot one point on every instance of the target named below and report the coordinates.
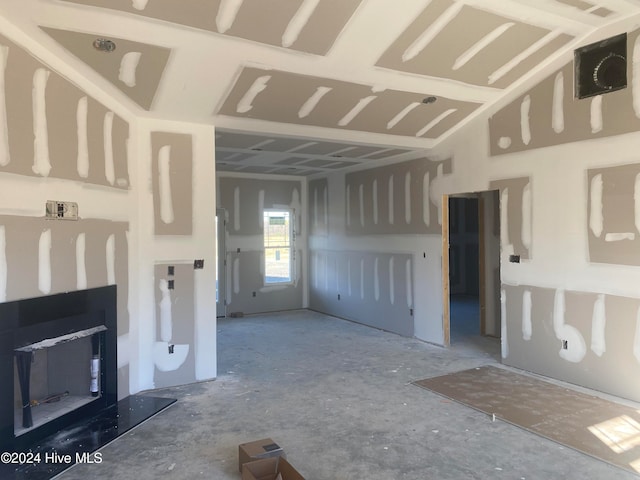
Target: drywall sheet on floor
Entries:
(53, 129)
(173, 350)
(171, 169)
(588, 339)
(600, 428)
(375, 289)
(396, 199)
(549, 114)
(614, 214)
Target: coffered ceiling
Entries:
(309, 86)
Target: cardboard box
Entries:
(265, 448)
(270, 469)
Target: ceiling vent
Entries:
(601, 67)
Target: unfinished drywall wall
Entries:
(245, 199)
(63, 139)
(569, 309)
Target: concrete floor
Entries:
(336, 396)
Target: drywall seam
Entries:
(374, 194)
(527, 326)
(596, 216)
(636, 202)
(426, 205)
(525, 126)
(596, 114)
(527, 207)
(41, 160)
(403, 113)
(107, 132)
(432, 32)
(236, 276)
(376, 279)
(236, 208)
(5, 156)
(391, 199)
(128, 66)
(361, 203)
(392, 282)
(166, 319)
(164, 174)
(246, 102)
(312, 102)
(298, 22)
(408, 282)
(315, 208)
(82, 161)
(504, 344)
(598, 324)
(557, 113)
(619, 236)
(435, 121)
(81, 268)
(261, 208)
(575, 348)
(44, 262)
(480, 45)
(110, 248)
(227, 12)
(139, 4)
(407, 198)
(355, 111)
(348, 205)
(635, 78)
(504, 221)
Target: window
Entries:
(278, 251)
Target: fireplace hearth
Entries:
(58, 371)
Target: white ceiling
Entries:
(308, 86)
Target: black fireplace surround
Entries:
(25, 322)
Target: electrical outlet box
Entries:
(61, 210)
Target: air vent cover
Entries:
(601, 67)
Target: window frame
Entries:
(291, 246)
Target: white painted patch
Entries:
(44, 262)
(576, 346)
(236, 275)
(41, 161)
(81, 267)
(598, 324)
(110, 255)
(525, 127)
(82, 161)
(376, 279)
(557, 111)
(349, 278)
(139, 4)
(436, 190)
(435, 121)
(107, 132)
(426, 204)
(374, 195)
(361, 201)
(261, 208)
(636, 201)
(504, 218)
(504, 142)
(236, 208)
(527, 207)
(636, 338)
(169, 362)
(227, 12)
(618, 237)
(403, 113)
(312, 102)
(3, 264)
(390, 198)
(518, 59)
(409, 283)
(635, 78)
(166, 315)
(164, 184)
(392, 280)
(527, 327)
(246, 102)
(504, 344)
(362, 278)
(596, 217)
(353, 113)
(123, 349)
(430, 33)
(128, 68)
(5, 156)
(407, 198)
(481, 44)
(298, 22)
(596, 114)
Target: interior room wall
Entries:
(244, 198)
(61, 138)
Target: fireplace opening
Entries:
(56, 376)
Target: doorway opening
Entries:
(471, 270)
(221, 263)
